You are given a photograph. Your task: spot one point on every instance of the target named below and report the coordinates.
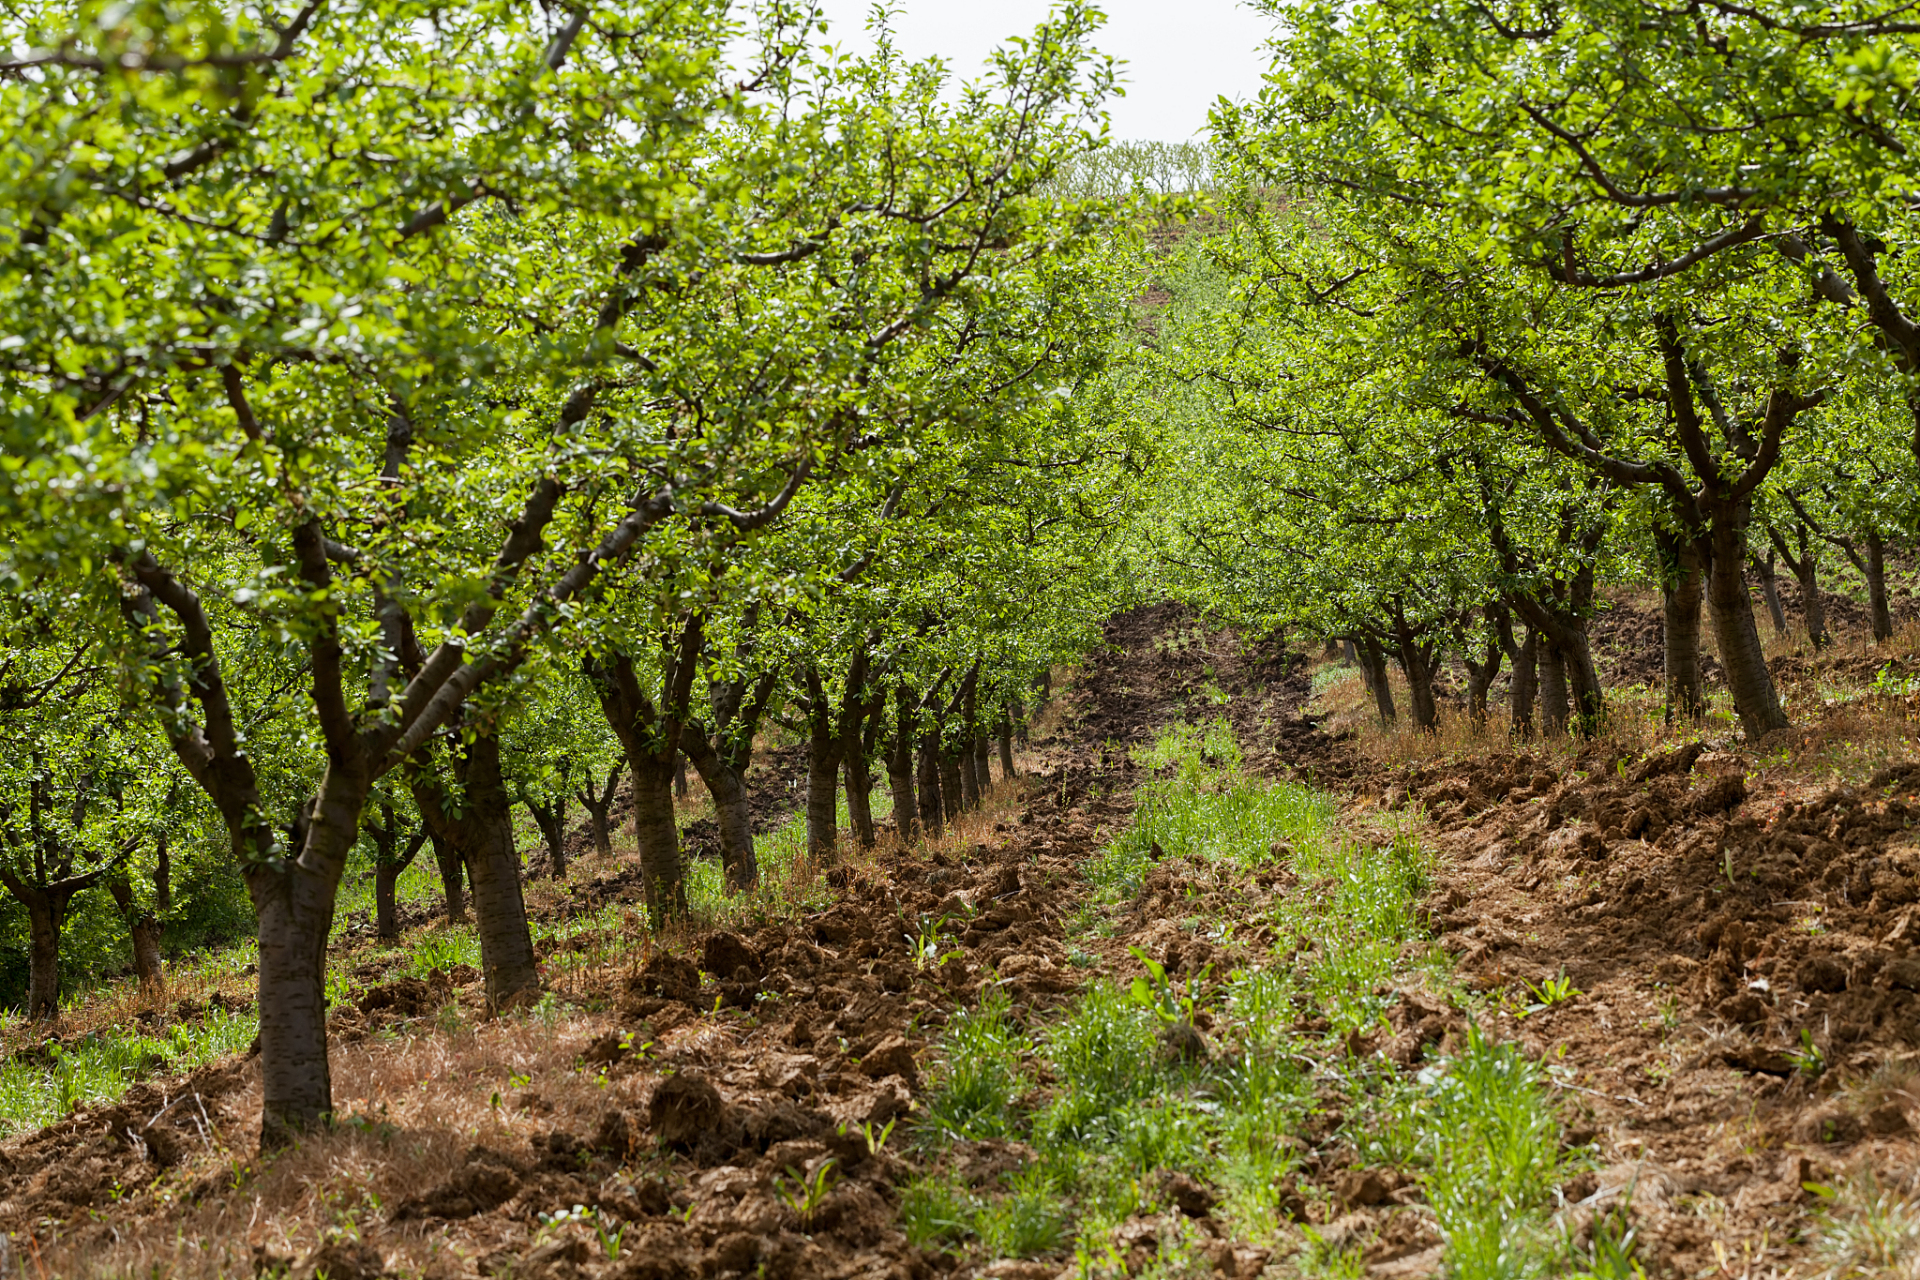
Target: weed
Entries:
(804, 1193)
(1030, 1219)
(937, 1210)
(977, 1079)
(1867, 1228)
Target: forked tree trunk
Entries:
(1806, 571)
(293, 909)
(1769, 591)
(1480, 678)
(598, 805)
(823, 799)
(389, 862)
(1416, 661)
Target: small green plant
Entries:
(1030, 1219)
(877, 1140)
(1557, 990)
(1865, 1228)
(804, 1193)
(1608, 1253)
(937, 1210)
(928, 945)
(978, 1077)
(1808, 1059)
(612, 1233)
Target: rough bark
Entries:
(1373, 670)
(453, 875)
(658, 836)
(932, 809)
(482, 831)
(1875, 570)
(1682, 589)
(1004, 736)
(906, 813)
(1805, 568)
(46, 913)
(143, 935)
(1553, 688)
(551, 817)
(1755, 700)
(1524, 691)
(650, 738)
(389, 862)
(1416, 661)
(731, 815)
(1769, 590)
(1481, 671)
(952, 789)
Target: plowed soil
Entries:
(1738, 1019)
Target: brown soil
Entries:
(1718, 915)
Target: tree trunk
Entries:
(1007, 772)
(162, 876)
(680, 777)
(982, 765)
(1416, 660)
(959, 764)
(1553, 687)
(1583, 682)
(738, 862)
(453, 873)
(1876, 573)
(1373, 670)
(1806, 571)
(658, 836)
(45, 914)
(506, 942)
(386, 914)
(1755, 700)
(294, 915)
(1682, 590)
(823, 796)
(293, 905)
(1480, 678)
(551, 818)
(143, 932)
(906, 812)
(1525, 690)
(952, 790)
(932, 811)
(859, 783)
(1769, 591)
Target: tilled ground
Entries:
(721, 1105)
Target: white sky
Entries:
(1179, 55)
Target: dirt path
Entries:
(769, 1102)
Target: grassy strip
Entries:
(1112, 1099)
(100, 1065)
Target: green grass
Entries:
(1109, 1111)
(99, 1068)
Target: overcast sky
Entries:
(1179, 55)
